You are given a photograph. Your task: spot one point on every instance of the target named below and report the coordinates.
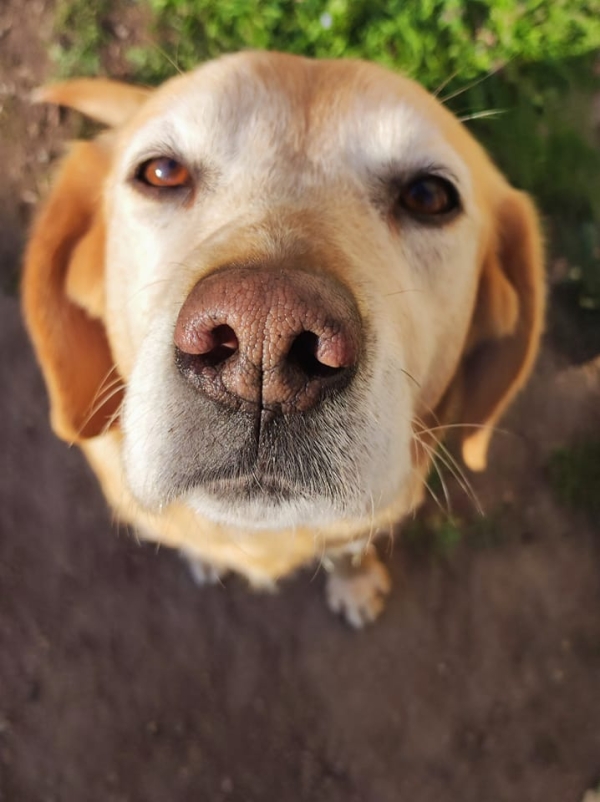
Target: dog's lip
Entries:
(255, 485)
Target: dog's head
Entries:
(272, 273)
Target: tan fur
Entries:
(108, 102)
(87, 338)
(507, 323)
(62, 295)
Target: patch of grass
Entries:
(448, 534)
(431, 40)
(433, 536)
(438, 535)
(574, 474)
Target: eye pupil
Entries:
(423, 194)
(165, 168)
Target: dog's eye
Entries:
(164, 172)
(430, 196)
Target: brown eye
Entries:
(430, 196)
(164, 173)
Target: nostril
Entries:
(305, 354)
(225, 344)
(206, 347)
(218, 345)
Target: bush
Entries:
(428, 39)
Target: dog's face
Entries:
(292, 267)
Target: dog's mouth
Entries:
(264, 501)
(230, 459)
(283, 479)
(285, 469)
(254, 487)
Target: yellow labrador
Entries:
(255, 294)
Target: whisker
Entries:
(432, 493)
(432, 453)
(452, 465)
(321, 560)
(112, 419)
(482, 115)
(471, 85)
(106, 396)
(100, 396)
(103, 384)
(166, 56)
(450, 462)
(371, 523)
(443, 427)
(411, 377)
(434, 496)
(445, 83)
(401, 292)
(117, 387)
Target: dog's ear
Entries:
(63, 297)
(63, 282)
(506, 326)
(109, 102)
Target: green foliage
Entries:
(575, 476)
(447, 536)
(433, 536)
(545, 141)
(429, 39)
(81, 34)
(436, 534)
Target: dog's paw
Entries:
(203, 573)
(357, 590)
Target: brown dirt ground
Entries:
(120, 680)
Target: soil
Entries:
(121, 681)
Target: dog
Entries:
(262, 294)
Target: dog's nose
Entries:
(253, 337)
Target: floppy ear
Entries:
(63, 282)
(108, 102)
(63, 297)
(506, 325)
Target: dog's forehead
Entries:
(325, 110)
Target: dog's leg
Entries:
(357, 586)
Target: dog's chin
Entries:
(254, 505)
